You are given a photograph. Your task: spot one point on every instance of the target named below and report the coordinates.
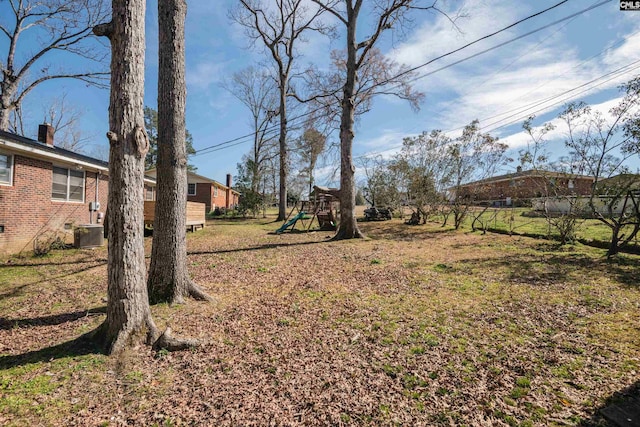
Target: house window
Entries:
(571, 184)
(191, 189)
(68, 185)
(149, 193)
(215, 191)
(6, 169)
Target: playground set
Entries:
(322, 208)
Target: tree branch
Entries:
(83, 76)
(330, 9)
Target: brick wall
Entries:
(27, 211)
(203, 195)
(526, 188)
(221, 199)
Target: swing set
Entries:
(322, 209)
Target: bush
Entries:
(48, 240)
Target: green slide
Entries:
(291, 222)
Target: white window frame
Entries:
(149, 190)
(195, 186)
(215, 191)
(84, 185)
(11, 166)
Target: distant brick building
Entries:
(524, 185)
(208, 191)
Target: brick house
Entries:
(208, 191)
(46, 189)
(525, 185)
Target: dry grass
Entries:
(413, 326)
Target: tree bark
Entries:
(348, 228)
(7, 91)
(128, 313)
(168, 276)
(282, 204)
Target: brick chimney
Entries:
(45, 134)
(228, 201)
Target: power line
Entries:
(410, 70)
(214, 147)
(579, 65)
(613, 75)
(544, 27)
(528, 52)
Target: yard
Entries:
(413, 326)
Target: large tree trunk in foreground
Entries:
(128, 314)
(168, 277)
(348, 228)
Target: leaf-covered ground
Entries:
(413, 326)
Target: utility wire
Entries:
(635, 65)
(410, 70)
(225, 144)
(476, 86)
(579, 65)
(619, 73)
(499, 45)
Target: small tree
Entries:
(56, 27)
(250, 202)
(379, 187)
(257, 90)
(599, 146)
(422, 164)
(309, 146)
(474, 155)
(551, 177)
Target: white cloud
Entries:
(511, 81)
(627, 51)
(386, 144)
(520, 139)
(204, 74)
(438, 36)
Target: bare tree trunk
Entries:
(282, 204)
(6, 106)
(255, 172)
(348, 228)
(168, 276)
(128, 313)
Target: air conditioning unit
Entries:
(88, 236)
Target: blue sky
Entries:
(498, 84)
